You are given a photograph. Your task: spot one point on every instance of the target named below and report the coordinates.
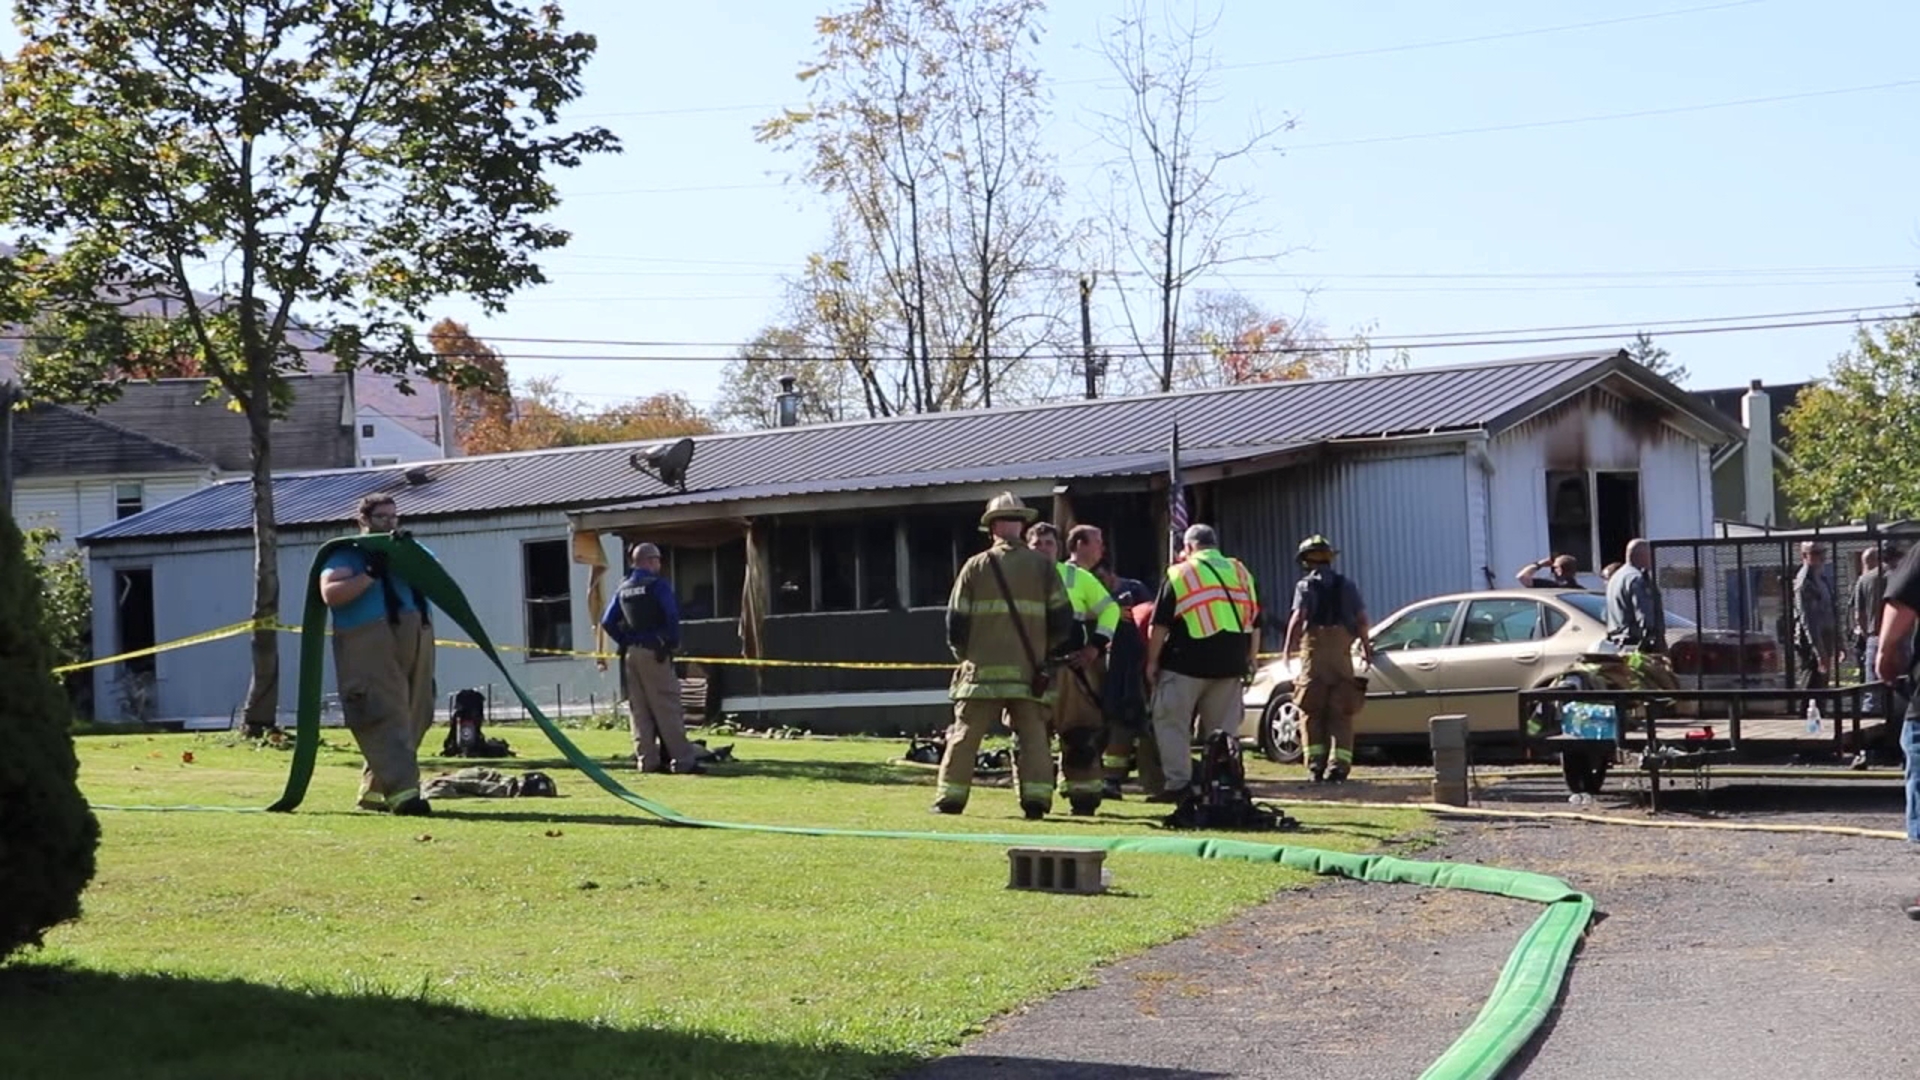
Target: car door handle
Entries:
(1426, 665)
(1526, 658)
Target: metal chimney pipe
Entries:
(787, 404)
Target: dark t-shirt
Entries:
(1903, 587)
(1220, 656)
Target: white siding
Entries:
(1401, 524)
(390, 439)
(205, 584)
(77, 505)
(1596, 431)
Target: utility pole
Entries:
(1086, 337)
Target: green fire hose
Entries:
(1518, 1006)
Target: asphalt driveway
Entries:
(1714, 954)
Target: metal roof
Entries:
(981, 445)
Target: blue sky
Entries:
(1707, 212)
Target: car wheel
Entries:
(1280, 728)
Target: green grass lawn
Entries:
(572, 937)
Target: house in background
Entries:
(73, 472)
(77, 471)
(840, 541)
(1746, 474)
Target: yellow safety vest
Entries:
(1212, 594)
(1092, 603)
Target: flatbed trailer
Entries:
(1649, 739)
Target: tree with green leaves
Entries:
(248, 183)
(66, 600)
(1641, 350)
(1851, 436)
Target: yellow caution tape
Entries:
(178, 643)
(739, 661)
(247, 627)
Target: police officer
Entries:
(1206, 624)
(383, 663)
(1077, 709)
(1008, 618)
(1328, 618)
(643, 619)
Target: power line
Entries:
(708, 110)
(1448, 339)
(1294, 275)
(1191, 351)
(1703, 320)
(1373, 140)
(1669, 111)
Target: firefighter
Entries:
(1077, 708)
(1206, 630)
(1329, 616)
(1008, 617)
(383, 663)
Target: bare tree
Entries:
(1000, 187)
(1175, 213)
(923, 125)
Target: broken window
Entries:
(1591, 514)
(546, 571)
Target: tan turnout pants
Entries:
(1081, 728)
(1033, 763)
(385, 676)
(1327, 696)
(653, 705)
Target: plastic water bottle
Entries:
(1813, 718)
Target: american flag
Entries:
(1176, 499)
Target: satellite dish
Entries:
(667, 464)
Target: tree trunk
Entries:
(263, 693)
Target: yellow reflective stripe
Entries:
(997, 606)
(1036, 789)
(951, 791)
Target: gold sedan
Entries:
(1471, 653)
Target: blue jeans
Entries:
(1910, 744)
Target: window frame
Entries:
(528, 601)
(1536, 633)
(139, 500)
(1597, 556)
(1447, 640)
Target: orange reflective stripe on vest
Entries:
(1210, 606)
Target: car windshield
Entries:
(1594, 606)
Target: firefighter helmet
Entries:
(1004, 506)
(1317, 548)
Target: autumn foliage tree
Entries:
(492, 417)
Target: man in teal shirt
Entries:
(383, 663)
